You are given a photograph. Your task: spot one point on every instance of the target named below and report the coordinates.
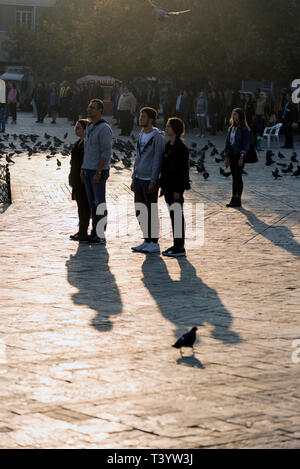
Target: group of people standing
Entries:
(158, 166)
(64, 100)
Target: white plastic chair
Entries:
(271, 133)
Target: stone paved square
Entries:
(86, 332)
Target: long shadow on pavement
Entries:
(88, 271)
(286, 241)
(189, 301)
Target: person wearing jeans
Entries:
(237, 147)
(2, 117)
(150, 148)
(95, 168)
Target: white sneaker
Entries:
(151, 248)
(141, 247)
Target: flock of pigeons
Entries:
(32, 144)
(124, 152)
(286, 168)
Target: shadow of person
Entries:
(88, 271)
(191, 362)
(189, 301)
(270, 232)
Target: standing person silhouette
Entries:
(237, 147)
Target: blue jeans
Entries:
(2, 119)
(96, 194)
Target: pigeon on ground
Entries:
(219, 160)
(166, 14)
(294, 159)
(58, 163)
(65, 136)
(187, 340)
(297, 173)
(9, 160)
(205, 175)
(223, 173)
(289, 169)
(276, 174)
(280, 155)
(214, 152)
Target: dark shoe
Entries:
(176, 252)
(75, 237)
(232, 202)
(165, 253)
(96, 240)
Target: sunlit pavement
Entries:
(86, 332)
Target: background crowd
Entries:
(203, 110)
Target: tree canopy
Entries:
(223, 41)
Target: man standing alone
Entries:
(95, 168)
(150, 148)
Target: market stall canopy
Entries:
(2, 92)
(104, 80)
(12, 76)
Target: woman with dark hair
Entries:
(175, 181)
(78, 187)
(237, 147)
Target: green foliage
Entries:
(222, 41)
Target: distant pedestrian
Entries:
(145, 178)
(41, 100)
(126, 108)
(288, 118)
(95, 168)
(201, 112)
(237, 147)
(259, 120)
(54, 104)
(78, 187)
(2, 117)
(12, 100)
(175, 181)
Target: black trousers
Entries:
(42, 111)
(13, 110)
(146, 210)
(177, 218)
(237, 175)
(84, 211)
(289, 136)
(126, 122)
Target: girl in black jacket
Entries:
(78, 187)
(174, 181)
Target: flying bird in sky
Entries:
(166, 14)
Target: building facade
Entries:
(19, 12)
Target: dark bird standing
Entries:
(187, 340)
